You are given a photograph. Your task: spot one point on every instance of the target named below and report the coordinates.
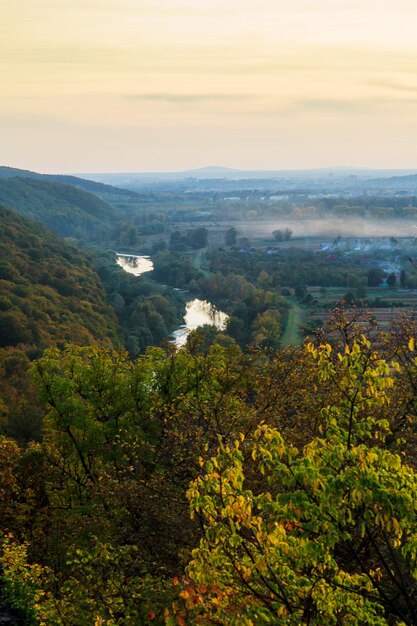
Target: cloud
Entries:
(34, 121)
(178, 98)
(346, 105)
(336, 105)
(393, 86)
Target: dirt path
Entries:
(199, 261)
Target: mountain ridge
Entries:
(97, 188)
(66, 210)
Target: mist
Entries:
(329, 228)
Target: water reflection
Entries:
(133, 264)
(198, 313)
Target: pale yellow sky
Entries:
(141, 85)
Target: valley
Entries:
(151, 355)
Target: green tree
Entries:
(266, 329)
(122, 441)
(197, 237)
(326, 535)
(375, 277)
(264, 280)
(231, 236)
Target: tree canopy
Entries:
(297, 466)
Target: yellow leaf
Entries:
(411, 344)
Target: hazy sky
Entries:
(141, 85)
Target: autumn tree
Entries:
(300, 470)
(328, 535)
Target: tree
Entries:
(349, 298)
(231, 236)
(266, 329)
(178, 242)
(203, 337)
(282, 235)
(309, 516)
(375, 277)
(322, 536)
(300, 291)
(361, 292)
(13, 329)
(197, 238)
(264, 280)
(122, 441)
(278, 235)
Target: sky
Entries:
(167, 85)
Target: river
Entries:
(197, 312)
(133, 264)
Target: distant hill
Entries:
(49, 295)
(106, 192)
(394, 184)
(64, 209)
(225, 180)
(218, 172)
(410, 178)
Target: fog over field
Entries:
(347, 227)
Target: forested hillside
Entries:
(106, 192)
(65, 210)
(49, 295)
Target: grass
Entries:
(296, 316)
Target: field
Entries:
(400, 302)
